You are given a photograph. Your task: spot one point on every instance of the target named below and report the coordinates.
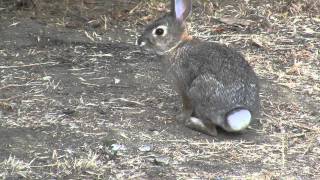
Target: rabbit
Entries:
(217, 85)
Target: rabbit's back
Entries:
(196, 57)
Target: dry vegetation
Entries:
(78, 99)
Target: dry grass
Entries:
(13, 167)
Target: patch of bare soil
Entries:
(79, 100)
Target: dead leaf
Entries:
(303, 55)
(308, 30)
(295, 69)
(260, 41)
(5, 106)
(147, 18)
(218, 29)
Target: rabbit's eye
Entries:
(160, 31)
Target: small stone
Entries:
(118, 147)
(145, 148)
(68, 111)
(154, 131)
(47, 78)
(116, 81)
(161, 161)
(314, 113)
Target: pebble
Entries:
(145, 148)
(161, 160)
(118, 147)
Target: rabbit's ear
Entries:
(181, 9)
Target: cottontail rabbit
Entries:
(217, 85)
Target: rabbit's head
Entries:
(167, 32)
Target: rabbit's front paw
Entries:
(198, 125)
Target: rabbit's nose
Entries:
(140, 42)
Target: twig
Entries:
(308, 148)
(28, 65)
(135, 8)
(101, 55)
(89, 36)
(14, 85)
(89, 84)
(10, 98)
(126, 100)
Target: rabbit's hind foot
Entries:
(238, 119)
(198, 125)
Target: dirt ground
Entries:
(78, 100)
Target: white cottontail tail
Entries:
(217, 85)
